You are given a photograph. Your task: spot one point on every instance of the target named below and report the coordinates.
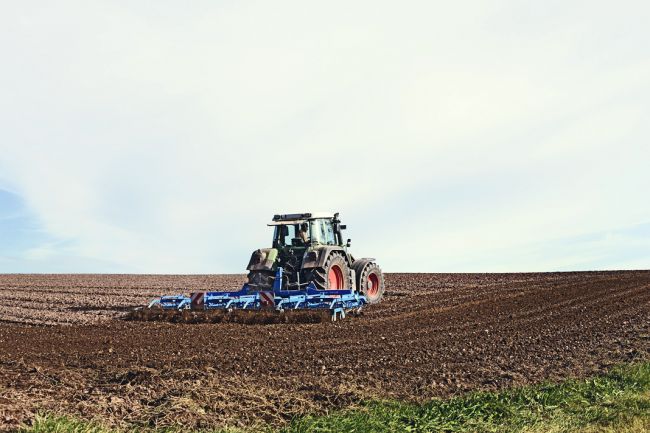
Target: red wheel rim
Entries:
(373, 285)
(335, 277)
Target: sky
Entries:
(467, 136)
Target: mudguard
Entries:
(263, 259)
(360, 264)
(318, 256)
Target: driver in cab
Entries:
(303, 233)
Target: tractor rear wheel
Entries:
(334, 275)
(261, 280)
(370, 282)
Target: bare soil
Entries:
(64, 347)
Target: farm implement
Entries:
(307, 275)
(244, 305)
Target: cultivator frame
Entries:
(337, 302)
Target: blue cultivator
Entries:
(336, 302)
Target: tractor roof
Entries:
(296, 218)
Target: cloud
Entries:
(451, 137)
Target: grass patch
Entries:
(616, 402)
(50, 424)
(62, 424)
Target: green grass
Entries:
(616, 402)
(53, 424)
(63, 425)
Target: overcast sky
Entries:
(473, 136)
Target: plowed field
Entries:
(64, 349)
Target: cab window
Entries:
(322, 232)
(329, 233)
(284, 234)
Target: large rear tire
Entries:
(261, 280)
(370, 282)
(334, 275)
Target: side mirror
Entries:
(343, 226)
(348, 243)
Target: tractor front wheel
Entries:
(261, 280)
(370, 282)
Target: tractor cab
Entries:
(306, 230)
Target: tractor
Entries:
(309, 248)
(307, 275)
